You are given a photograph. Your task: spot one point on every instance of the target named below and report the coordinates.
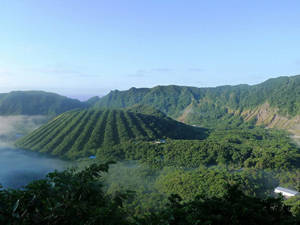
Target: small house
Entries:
(92, 157)
(287, 193)
(161, 141)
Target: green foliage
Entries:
(240, 148)
(209, 106)
(294, 204)
(152, 186)
(90, 196)
(290, 178)
(140, 179)
(233, 208)
(146, 109)
(199, 182)
(63, 198)
(119, 135)
(81, 133)
(212, 182)
(200, 174)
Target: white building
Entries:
(287, 193)
(161, 141)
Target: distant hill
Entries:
(275, 102)
(36, 103)
(82, 132)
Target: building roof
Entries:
(286, 190)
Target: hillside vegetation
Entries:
(203, 106)
(36, 103)
(235, 166)
(236, 148)
(82, 132)
(72, 197)
(125, 135)
(275, 103)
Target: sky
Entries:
(86, 48)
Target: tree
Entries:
(67, 197)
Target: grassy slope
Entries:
(82, 132)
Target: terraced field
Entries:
(81, 133)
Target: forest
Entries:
(152, 181)
(149, 112)
(76, 197)
(136, 164)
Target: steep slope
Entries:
(168, 99)
(146, 109)
(82, 132)
(205, 106)
(36, 103)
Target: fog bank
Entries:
(18, 167)
(14, 127)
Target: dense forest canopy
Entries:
(239, 148)
(76, 197)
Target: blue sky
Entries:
(86, 48)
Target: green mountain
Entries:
(36, 103)
(275, 102)
(80, 133)
(146, 109)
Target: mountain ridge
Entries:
(203, 106)
(207, 107)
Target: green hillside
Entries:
(146, 109)
(206, 105)
(82, 132)
(36, 103)
(236, 148)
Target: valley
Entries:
(149, 112)
(164, 141)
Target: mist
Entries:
(18, 167)
(14, 127)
